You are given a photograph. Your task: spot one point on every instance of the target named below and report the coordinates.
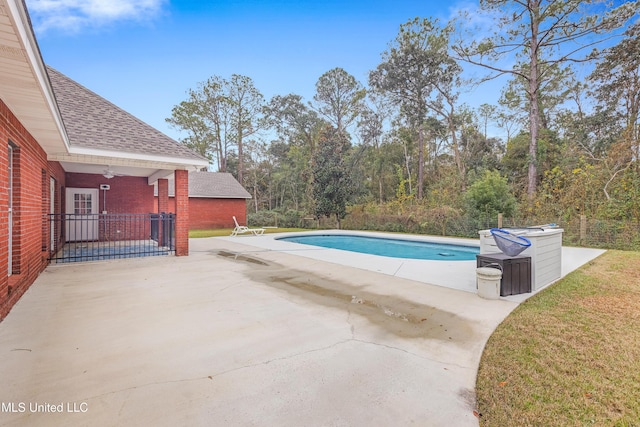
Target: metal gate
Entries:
(113, 236)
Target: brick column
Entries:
(182, 212)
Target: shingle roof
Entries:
(212, 185)
(93, 122)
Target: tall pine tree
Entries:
(331, 178)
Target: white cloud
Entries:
(476, 22)
(74, 15)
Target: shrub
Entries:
(489, 196)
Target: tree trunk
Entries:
(223, 158)
(406, 163)
(255, 195)
(534, 112)
(420, 162)
(222, 163)
(240, 155)
(462, 170)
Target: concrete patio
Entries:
(232, 335)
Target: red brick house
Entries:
(214, 199)
(63, 146)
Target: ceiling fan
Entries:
(110, 173)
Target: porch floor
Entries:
(235, 335)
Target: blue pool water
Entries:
(396, 248)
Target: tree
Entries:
(206, 117)
(339, 98)
(419, 76)
(478, 152)
(331, 182)
(298, 129)
(550, 152)
(555, 88)
(293, 121)
(371, 132)
(541, 34)
(616, 80)
(487, 112)
(219, 114)
(246, 106)
(257, 170)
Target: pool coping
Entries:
(460, 275)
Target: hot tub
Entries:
(545, 252)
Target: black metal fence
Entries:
(94, 237)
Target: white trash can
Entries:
(488, 282)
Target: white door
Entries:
(82, 214)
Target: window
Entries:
(10, 210)
(52, 211)
(44, 200)
(14, 239)
(82, 204)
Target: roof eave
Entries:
(198, 196)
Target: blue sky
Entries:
(143, 55)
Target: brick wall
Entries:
(216, 213)
(171, 207)
(206, 214)
(29, 251)
(182, 212)
(128, 194)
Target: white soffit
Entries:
(97, 156)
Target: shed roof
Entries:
(212, 185)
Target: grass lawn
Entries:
(570, 355)
(194, 234)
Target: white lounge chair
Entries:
(242, 229)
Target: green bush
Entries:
(262, 218)
(489, 196)
(291, 218)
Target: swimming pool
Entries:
(396, 248)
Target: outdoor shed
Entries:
(214, 199)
